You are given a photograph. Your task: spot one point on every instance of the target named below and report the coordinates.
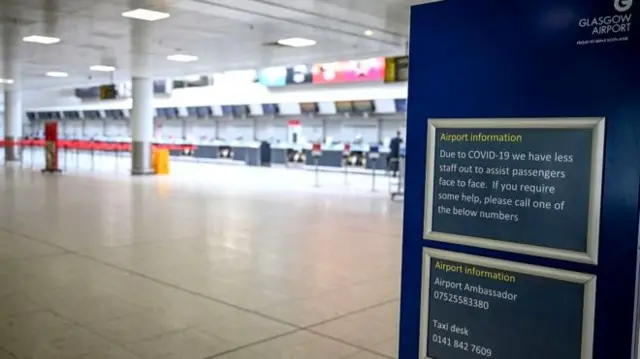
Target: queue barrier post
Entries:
(374, 156)
(52, 145)
(92, 146)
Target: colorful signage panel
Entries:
(349, 71)
(282, 76)
(299, 74)
(273, 76)
(397, 69)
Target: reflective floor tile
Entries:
(136, 327)
(303, 345)
(38, 324)
(112, 353)
(96, 309)
(175, 266)
(388, 347)
(12, 304)
(65, 344)
(365, 355)
(182, 344)
(366, 329)
(13, 246)
(242, 328)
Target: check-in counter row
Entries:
(256, 156)
(253, 154)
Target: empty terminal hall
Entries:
(319, 179)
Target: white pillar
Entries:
(142, 125)
(142, 94)
(12, 96)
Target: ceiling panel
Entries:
(224, 34)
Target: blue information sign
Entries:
(514, 76)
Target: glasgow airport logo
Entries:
(622, 5)
(609, 28)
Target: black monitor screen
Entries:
(71, 115)
(159, 86)
(401, 105)
(344, 107)
(171, 112)
(309, 107)
(192, 111)
(240, 110)
(204, 111)
(363, 106)
(88, 92)
(270, 109)
(116, 114)
(91, 114)
(227, 110)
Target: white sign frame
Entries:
(596, 124)
(589, 281)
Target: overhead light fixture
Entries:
(102, 68)
(57, 74)
(296, 42)
(182, 58)
(6, 81)
(38, 39)
(368, 32)
(146, 15)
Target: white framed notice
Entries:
(528, 185)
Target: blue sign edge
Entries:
(616, 298)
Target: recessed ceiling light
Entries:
(102, 68)
(146, 15)
(368, 32)
(296, 42)
(6, 81)
(38, 39)
(182, 58)
(57, 74)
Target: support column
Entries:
(142, 94)
(141, 125)
(12, 96)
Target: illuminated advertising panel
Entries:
(349, 71)
(273, 76)
(299, 74)
(365, 70)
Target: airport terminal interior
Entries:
(194, 179)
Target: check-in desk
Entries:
(237, 152)
(278, 155)
(357, 158)
(332, 157)
(247, 152)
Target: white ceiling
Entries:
(224, 34)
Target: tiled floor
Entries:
(210, 262)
